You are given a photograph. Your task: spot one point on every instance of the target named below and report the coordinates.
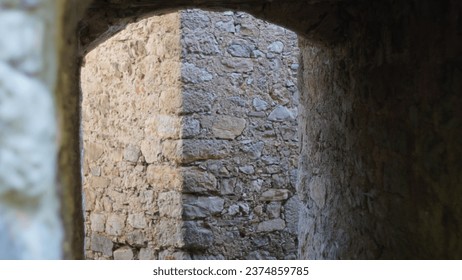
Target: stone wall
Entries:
(198, 162)
(240, 99)
(130, 85)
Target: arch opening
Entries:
(190, 140)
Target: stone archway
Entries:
(380, 88)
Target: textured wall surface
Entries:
(30, 226)
(381, 155)
(131, 95)
(240, 96)
(199, 164)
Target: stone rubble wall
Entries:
(130, 92)
(190, 140)
(240, 100)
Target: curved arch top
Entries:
(315, 19)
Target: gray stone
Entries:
(291, 214)
(101, 244)
(132, 153)
(196, 236)
(200, 43)
(260, 255)
(227, 186)
(174, 255)
(275, 195)
(276, 47)
(115, 224)
(193, 150)
(97, 221)
(147, 254)
(226, 26)
(137, 220)
(123, 253)
(136, 238)
(200, 207)
(228, 127)
(190, 73)
(247, 169)
(240, 65)
(195, 20)
(271, 225)
(240, 49)
(253, 150)
(259, 104)
(233, 210)
(191, 127)
(281, 113)
(196, 181)
(273, 209)
(196, 102)
(168, 233)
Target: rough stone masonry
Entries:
(190, 140)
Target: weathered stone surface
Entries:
(170, 204)
(247, 169)
(196, 181)
(196, 236)
(276, 47)
(163, 127)
(136, 238)
(280, 114)
(271, 225)
(193, 74)
(196, 102)
(151, 149)
(237, 65)
(147, 254)
(132, 153)
(123, 253)
(240, 49)
(186, 151)
(259, 104)
(202, 206)
(137, 220)
(168, 233)
(100, 243)
(228, 127)
(275, 195)
(163, 177)
(273, 209)
(115, 224)
(98, 222)
(292, 213)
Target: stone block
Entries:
(273, 209)
(136, 238)
(291, 214)
(280, 114)
(132, 153)
(237, 65)
(196, 236)
(151, 149)
(228, 127)
(93, 151)
(100, 243)
(190, 73)
(170, 204)
(271, 225)
(168, 233)
(147, 254)
(115, 224)
(123, 253)
(163, 127)
(137, 220)
(196, 181)
(196, 102)
(202, 206)
(164, 177)
(97, 222)
(275, 195)
(188, 150)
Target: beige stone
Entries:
(228, 127)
